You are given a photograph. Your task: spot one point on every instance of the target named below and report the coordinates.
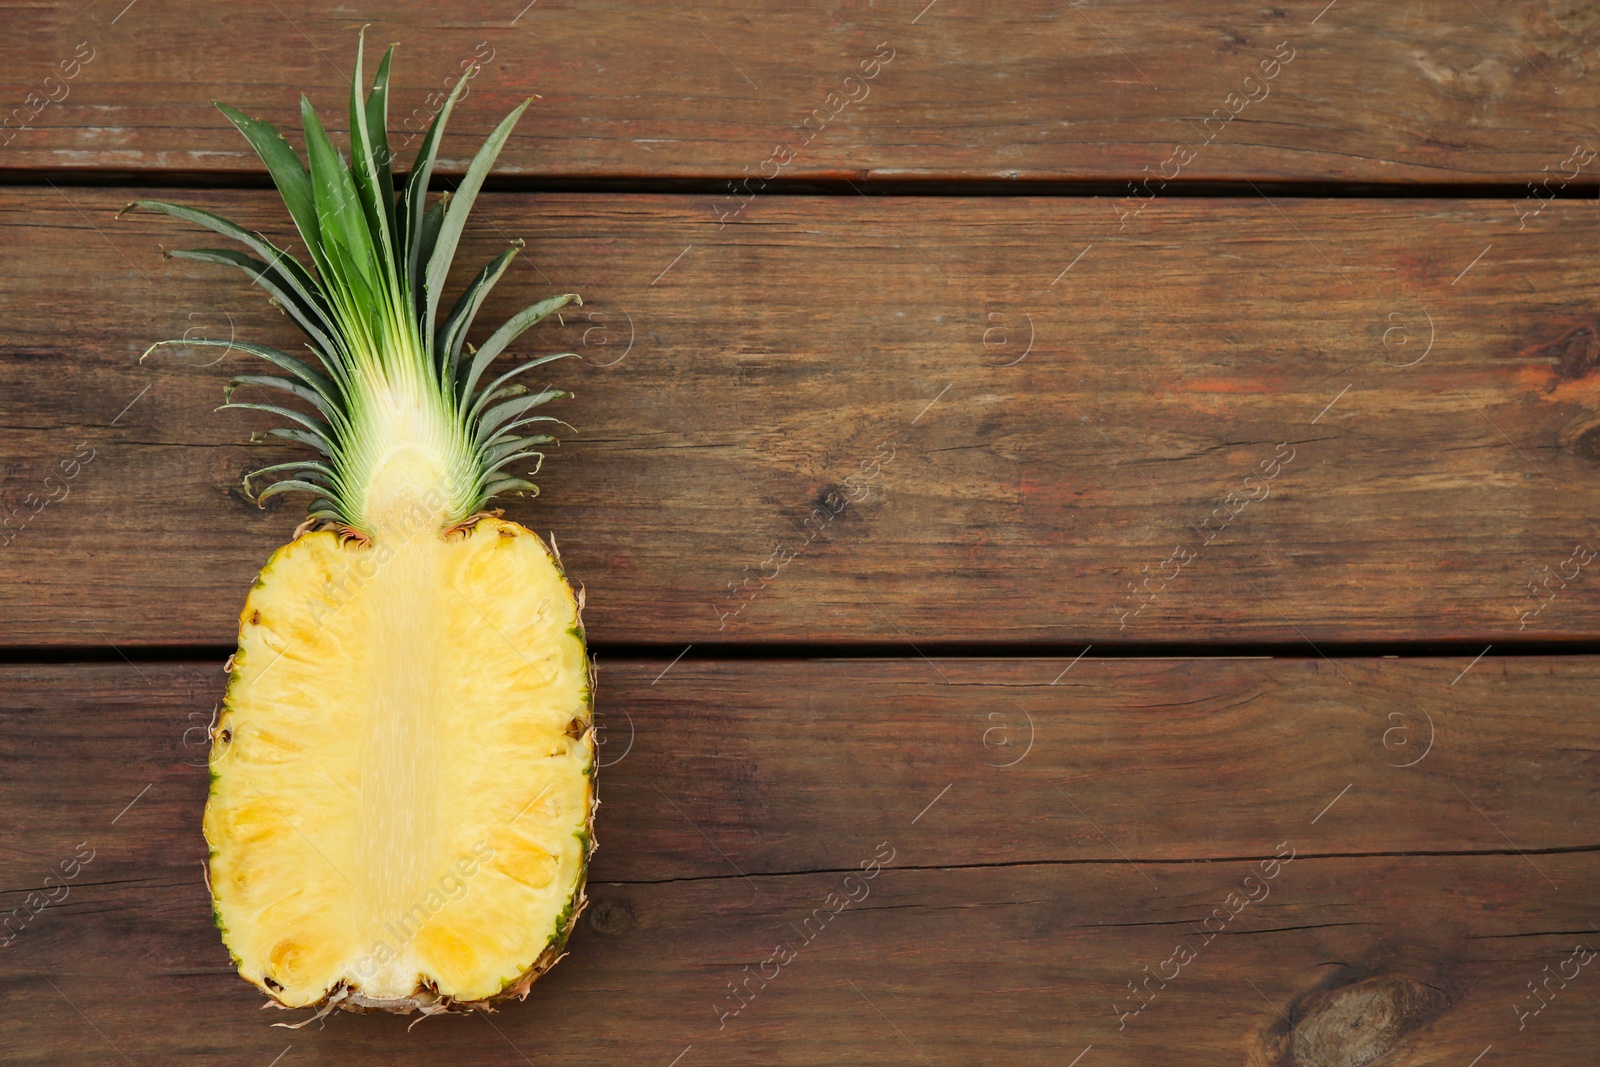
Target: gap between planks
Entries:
(717, 185)
(712, 652)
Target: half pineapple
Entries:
(403, 767)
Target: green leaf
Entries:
(513, 458)
(508, 332)
(300, 279)
(432, 219)
(347, 242)
(315, 477)
(288, 173)
(310, 318)
(304, 437)
(416, 191)
(474, 412)
(364, 173)
(323, 508)
(510, 445)
(266, 381)
(278, 359)
(505, 485)
(508, 391)
(500, 414)
(513, 427)
(378, 132)
(295, 465)
(290, 485)
(455, 219)
(316, 426)
(447, 345)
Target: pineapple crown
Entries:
(398, 407)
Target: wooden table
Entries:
(1128, 470)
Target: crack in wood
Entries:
(1111, 862)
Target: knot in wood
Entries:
(1356, 1024)
(613, 916)
(1576, 352)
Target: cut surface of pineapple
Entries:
(402, 771)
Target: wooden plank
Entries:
(1011, 915)
(1013, 965)
(1134, 743)
(956, 420)
(1428, 92)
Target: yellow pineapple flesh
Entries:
(402, 788)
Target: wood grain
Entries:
(1422, 92)
(1014, 420)
(1175, 760)
(932, 423)
(1013, 913)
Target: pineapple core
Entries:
(402, 772)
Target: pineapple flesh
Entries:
(403, 766)
(402, 788)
